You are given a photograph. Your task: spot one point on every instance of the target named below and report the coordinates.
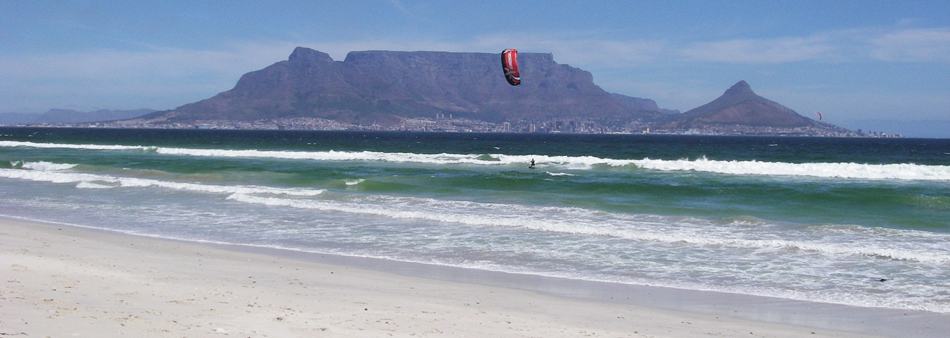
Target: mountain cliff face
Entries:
(380, 86)
(739, 105)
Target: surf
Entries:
(672, 230)
(57, 173)
(827, 170)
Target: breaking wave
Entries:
(47, 166)
(52, 172)
(652, 228)
(902, 171)
(354, 182)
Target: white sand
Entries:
(69, 282)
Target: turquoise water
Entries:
(800, 218)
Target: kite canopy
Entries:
(819, 115)
(509, 63)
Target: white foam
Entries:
(354, 182)
(93, 185)
(84, 180)
(48, 166)
(558, 174)
(670, 230)
(905, 171)
(68, 146)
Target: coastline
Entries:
(66, 280)
(93, 126)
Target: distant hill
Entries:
(385, 86)
(740, 105)
(74, 116)
(66, 116)
(16, 118)
(740, 108)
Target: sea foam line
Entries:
(52, 172)
(47, 166)
(580, 221)
(902, 171)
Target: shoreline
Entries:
(781, 136)
(547, 306)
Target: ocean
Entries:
(863, 222)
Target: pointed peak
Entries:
(306, 55)
(740, 87)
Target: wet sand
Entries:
(66, 281)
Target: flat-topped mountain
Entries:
(385, 86)
(450, 91)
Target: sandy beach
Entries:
(62, 281)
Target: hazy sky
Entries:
(856, 61)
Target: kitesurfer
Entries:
(531, 166)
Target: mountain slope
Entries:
(381, 86)
(66, 116)
(739, 105)
(73, 116)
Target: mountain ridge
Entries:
(387, 85)
(460, 91)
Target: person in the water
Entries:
(531, 166)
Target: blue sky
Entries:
(862, 63)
